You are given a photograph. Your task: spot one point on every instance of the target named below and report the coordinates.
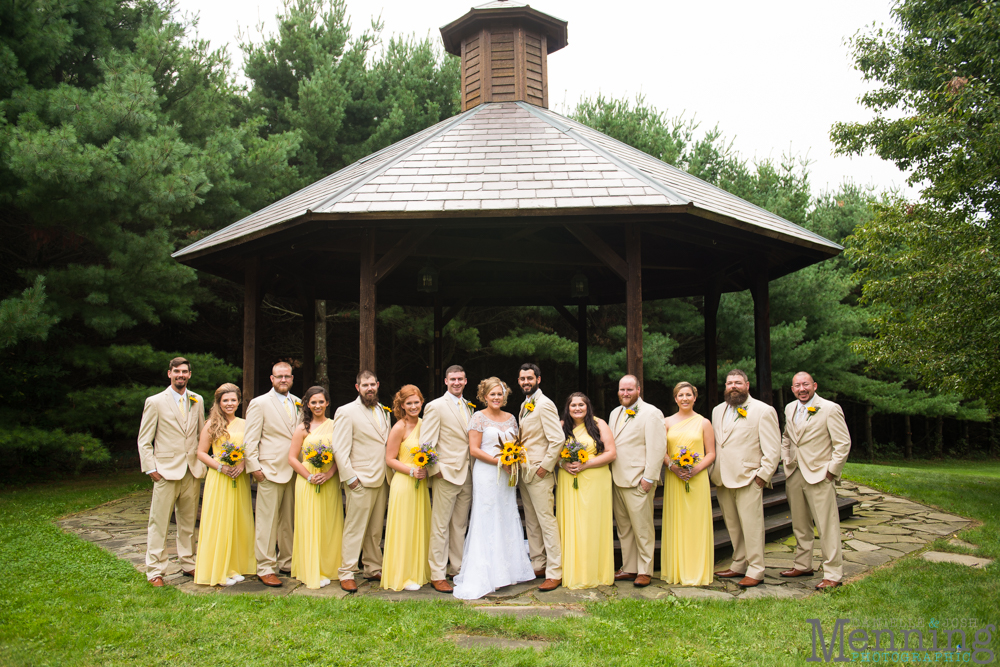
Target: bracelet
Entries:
(221, 466)
(309, 479)
(412, 471)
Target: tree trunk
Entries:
(908, 446)
(965, 434)
(939, 438)
(780, 408)
(322, 359)
(869, 438)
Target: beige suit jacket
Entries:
(168, 442)
(541, 433)
(747, 447)
(268, 436)
(641, 443)
(359, 437)
(446, 431)
(818, 444)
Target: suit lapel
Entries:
(376, 420)
(624, 420)
(173, 409)
(455, 411)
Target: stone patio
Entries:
(883, 529)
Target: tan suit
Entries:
(445, 427)
(811, 446)
(641, 443)
(268, 435)
(168, 444)
(543, 438)
(359, 437)
(745, 448)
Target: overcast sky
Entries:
(774, 75)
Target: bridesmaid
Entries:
(584, 513)
(408, 526)
(319, 510)
(225, 544)
(688, 543)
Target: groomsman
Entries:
(271, 420)
(168, 452)
(747, 447)
(543, 438)
(446, 427)
(360, 430)
(814, 448)
(641, 443)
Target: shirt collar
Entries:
(809, 403)
(180, 396)
(458, 400)
(286, 397)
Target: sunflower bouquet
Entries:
(688, 460)
(318, 455)
(423, 456)
(573, 451)
(230, 455)
(512, 454)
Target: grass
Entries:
(64, 601)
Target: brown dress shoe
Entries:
(730, 574)
(621, 575)
(349, 585)
(748, 582)
(550, 584)
(641, 580)
(795, 572)
(157, 582)
(441, 586)
(270, 580)
(827, 583)
(188, 573)
(539, 574)
(374, 577)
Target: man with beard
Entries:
(543, 437)
(641, 443)
(168, 451)
(814, 448)
(360, 430)
(748, 445)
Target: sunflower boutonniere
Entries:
(741, 412)
(810, 411)
(630, 413)
(471, 406)
(386, 410)
(298, 405)
(192, 398)
(529, 405)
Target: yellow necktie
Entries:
(465, 412)
(288, 410)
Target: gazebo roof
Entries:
(509, 159)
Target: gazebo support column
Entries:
(438, 342)
(712, 297)
(581, 336)
(308, 341)
(633, 300)
(251, 308)
(762, 333)
(366, 302)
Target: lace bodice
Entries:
(494, 433)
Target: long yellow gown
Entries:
(584, 517)
(687, 541)
(226, 535)
(408, 525)
(319, 519)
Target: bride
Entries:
(494, 554)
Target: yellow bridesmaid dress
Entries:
(226, 533)
(584, 517)
(408, 526)
(319, 519)
(687, 542)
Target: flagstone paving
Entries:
(884, 528)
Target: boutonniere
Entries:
(741, 413)
(811, 410)
(630, 414)
(192, 398)
(529, 406)
(298, 405)
(388, 411)
(471, 406)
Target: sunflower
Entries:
(630, 412)
(236, 455)
(686, 460)
(308, 454)
(507, 459)
(327, 457)
(508, 448)
(414, 450)
(742, 412)
(530, 407)
(420, 459)
(583, 455)
(565, 453)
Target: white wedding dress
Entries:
(495, 555)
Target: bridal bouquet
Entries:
(423, 456)
(318, 455)
(231, 455)
(686, 459)
(573, 451)
(512, 454)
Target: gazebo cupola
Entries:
(504, 46)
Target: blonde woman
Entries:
(494, 554)
(225, 545)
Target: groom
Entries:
(543, 437)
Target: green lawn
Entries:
(66, 602)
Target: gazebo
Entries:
(508, 203)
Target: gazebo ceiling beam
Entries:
(399, 252)
(601, 250)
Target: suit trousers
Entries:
(449, 521)
(275, 521)
(540, 523)
(181, 497)
(743, 512)
(363, 530)
(633, 512)
(815, 502)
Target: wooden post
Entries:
(367, 301)
(251, 303)
(633, 300)
(908, 443)
(581, 336)
(712, 297)
(322, 371)
(762, 333)
(308, 341)
(438, 343)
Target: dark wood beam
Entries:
(602, 250)
(438, 340)
(367, 303)
(568, 316)
(633, 300)
(308, 371)
(399, 252)
(581, 338)
(452, 312)
(712, 297)
(760, 290)
(252, 297)
(516, 236)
